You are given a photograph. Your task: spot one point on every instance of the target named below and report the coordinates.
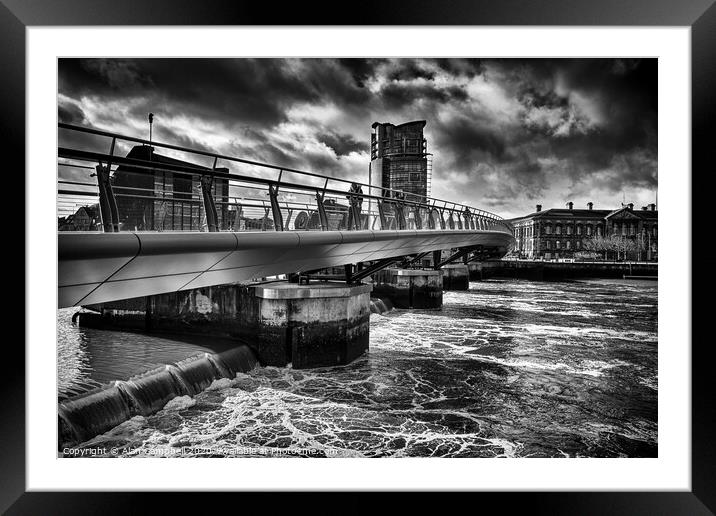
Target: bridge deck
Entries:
(100, 267)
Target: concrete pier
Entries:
(316, 325)
(410, 288)
(456, 276)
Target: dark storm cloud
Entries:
(343, 144)
(70, 114)
(504, 130)
(396, 95)
(360, 69)
(232, 91)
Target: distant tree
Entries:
(598, 244)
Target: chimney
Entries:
(652, 207)
(630, 206)
(570, 204)
(590, 205)
(539, 207)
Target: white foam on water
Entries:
(219, 384)
(474, 379)
(179, 403)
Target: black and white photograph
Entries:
(357, 257)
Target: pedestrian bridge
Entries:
(137, 222)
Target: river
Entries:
(510, 368)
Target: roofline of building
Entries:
(423, 122)
(579, 213)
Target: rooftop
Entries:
(565, 213)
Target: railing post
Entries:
(451, 221)
(106, 200)
(275, 209)
(112, 201)
(442, 218)
(206, 183)
(431, 220)
(322, 217)
(418, 219)
(381, 214)
(400, 215)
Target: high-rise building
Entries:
(399, 159)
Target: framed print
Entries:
(433, 241)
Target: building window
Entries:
(579, 244)
(589, 230)
(653, 231)
(548, 230)
(632, 229)
(556, 244)
(624, 229)
(558, 230)
(569, 230)
(569, 244)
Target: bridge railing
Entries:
(111, 182)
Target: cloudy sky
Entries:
(505, 134)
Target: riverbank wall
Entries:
(546, 271)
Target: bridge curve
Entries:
(239, 220)
(101, 267)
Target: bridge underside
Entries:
(101, 267)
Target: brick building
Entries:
(163, 200)
(564, 233)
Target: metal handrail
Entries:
(206, 170)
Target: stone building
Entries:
(565, 233)
(399, 158)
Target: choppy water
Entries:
(511, 368)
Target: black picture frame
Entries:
(700, 15)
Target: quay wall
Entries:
(537, 270)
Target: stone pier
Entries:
(410, 288)
(456, 277)
(315, 325)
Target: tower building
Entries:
(399, 159)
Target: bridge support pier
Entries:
(456, 276)
(410, 288)
(317, 325)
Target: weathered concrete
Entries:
(316, 325)
(456, 276)
(320, 324)
(410, 288)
